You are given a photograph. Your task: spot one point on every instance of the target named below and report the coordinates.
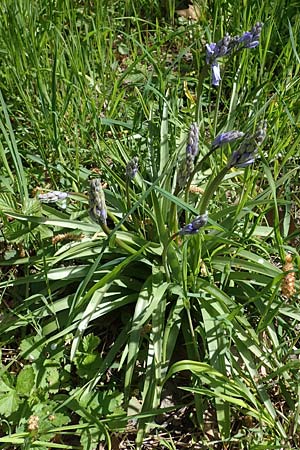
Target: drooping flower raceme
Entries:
(192, 148)
(229, 45)
(247, 151)
(97, 206)
(132, 167)
(194, 226)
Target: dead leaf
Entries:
(192, 12)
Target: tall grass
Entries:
(130, 323)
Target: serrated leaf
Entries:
(5, 383)
(9, 403)
(90, 343)
(48, 375)
(59, 419)
(105, 403)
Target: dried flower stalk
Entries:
(288, 282)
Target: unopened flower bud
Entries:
(225, 138)
(97, 206)
(195, 225)
(52, 196)
(132, 167)
(187, 165)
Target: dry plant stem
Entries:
(288, 282)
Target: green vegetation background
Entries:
(97, 327)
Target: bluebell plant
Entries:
(246, 152)
(241, 157)
(98, 211)
(131, 170)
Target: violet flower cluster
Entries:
(247, 151)
(226, 138)
(97, 206)
(229, 45)
(192, 148)
(132, 167)
(194, 226)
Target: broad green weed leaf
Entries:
(25, 381)
(31, 348)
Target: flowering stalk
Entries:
(97, 206)
(240, 158)
(131, 170)
(185, 169)
(132, 167)
(98, 211)
(192, 148)
(226, 138)
(189, 229)
(219, 141)
(227, 46)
